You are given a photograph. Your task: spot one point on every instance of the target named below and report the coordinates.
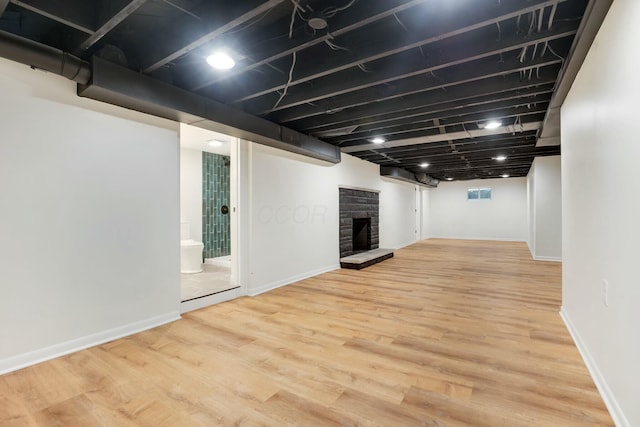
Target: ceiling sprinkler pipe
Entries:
(40, 56)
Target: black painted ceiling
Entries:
(425, 75)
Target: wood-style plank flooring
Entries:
(446, 333)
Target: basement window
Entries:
(479, 194)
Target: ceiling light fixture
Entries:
(449, 179)
(221, 61)
(505, 176)
(214, 143)
(493, 124)
(378, 140)
(424, 165)
(501, 158)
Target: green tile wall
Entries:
(216, 229)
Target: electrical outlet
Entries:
(605, 293)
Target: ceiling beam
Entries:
(467, 121)
(350, 20)
(444, 109)
(356, 79)
(71, 16)
(455, 97)
(212, 35)
(3, 6)
(493, 105)
(500, 140)
(116, 19)
(343, 107)
(444, 137)
(439, 29)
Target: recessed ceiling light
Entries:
(493, 124)
(221, 61)
(505, 176)
(378, 140)
(501, 158)
(449, 179)
(215, 143)
(424, 165)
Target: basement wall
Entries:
(504, 217)
(89, 219)
(294, 213)
(544, 198)
(600, 231)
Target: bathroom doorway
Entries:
(208, 187)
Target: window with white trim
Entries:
(479, 193)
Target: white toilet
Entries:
(190, 251)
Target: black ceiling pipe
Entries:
(404, 175)
(44, 57)
(121, 86)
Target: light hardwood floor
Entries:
(447, 333)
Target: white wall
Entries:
(504, 217)
(89, 219)
(424, 213)
(531, 208)
(294, 207)
(191, 190)
(544, 192)
(600, 152)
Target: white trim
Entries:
(199, 303)
(609, 399)
(290, 280)
(57, 350)
(346, 187)
(547, 258)
(494, 239)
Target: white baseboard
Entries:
(199, 303)
(42, 355)
(609, 399)
(274, 285)
(547, 258)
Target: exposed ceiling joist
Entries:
(469, 115)
(3, 6)
(71, 18)
(212, 35)
(109, 25)
(350, 83)
(470, 77)
(460, 96)
(359, 15)
(444, 137)
(468, 20)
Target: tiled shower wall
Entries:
(216, 185)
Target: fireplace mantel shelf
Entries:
(365, 259)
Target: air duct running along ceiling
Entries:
(107, 82)
(404, 175)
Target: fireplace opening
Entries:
(361, 234)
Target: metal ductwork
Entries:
(44, 57)
(404, 175)
(108, 82)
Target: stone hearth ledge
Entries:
(365, 259)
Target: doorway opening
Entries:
(208, 194)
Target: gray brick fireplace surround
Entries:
(357, 204)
